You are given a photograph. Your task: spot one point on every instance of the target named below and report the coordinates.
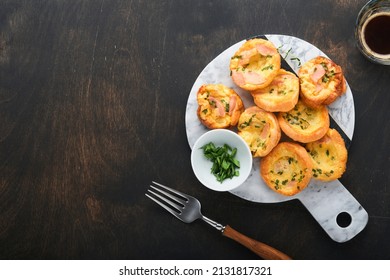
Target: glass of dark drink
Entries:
(373, 31)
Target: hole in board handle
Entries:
(343, 219)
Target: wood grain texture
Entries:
(92, 105)
(261, 249)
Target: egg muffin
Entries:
(322, 81)
(279, 96)
(329, 156)
(260, 130)
(218, 106)
(287, 168)
(255, 64)
(303, 123)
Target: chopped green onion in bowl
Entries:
(225, 165)
(221, 160)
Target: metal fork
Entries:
(188, 209)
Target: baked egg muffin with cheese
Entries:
(255, 64)
(279, 96)
(329, 156)
(259, 129)
(322, 81)
(303, 123)
(218, 106)
(287, 168)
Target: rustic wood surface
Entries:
(92, 103)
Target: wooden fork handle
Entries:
(263, 250)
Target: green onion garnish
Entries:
(225, 164)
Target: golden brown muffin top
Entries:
(287, 168)
(255, 64)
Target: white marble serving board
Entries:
(325, 201)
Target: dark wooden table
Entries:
(92, 104)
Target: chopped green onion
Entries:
(225, 164)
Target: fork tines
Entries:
(171, 200)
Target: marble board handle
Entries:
(335, 209)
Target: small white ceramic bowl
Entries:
(202, 166)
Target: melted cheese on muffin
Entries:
(255, 64)
(322, 81)
(260, 130)
(303, 123)
(281, 95)
(329, 156)
(219, 106)
(287, 168)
